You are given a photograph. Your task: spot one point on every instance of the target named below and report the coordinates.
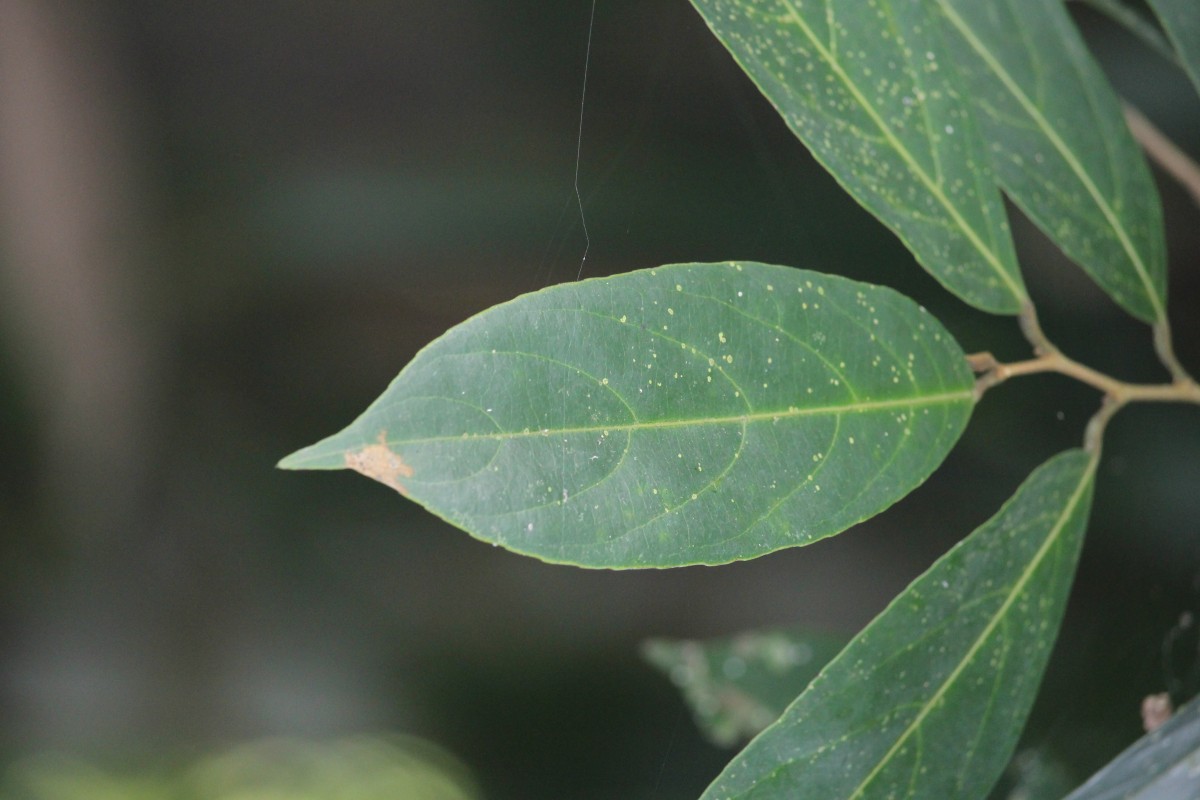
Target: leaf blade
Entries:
(919, 677)
(630, 421)
(1060, 146)
(1181, 22)
(887, 123)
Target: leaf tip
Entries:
(325, 454)
(295, 461)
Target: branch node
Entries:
(982, 362)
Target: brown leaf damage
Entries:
(377, 461)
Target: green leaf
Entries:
(1060, 145)
(928, 701)
(864, 88)
(1181, 21)
(740, 685)
(692, 414)
(1160, 766)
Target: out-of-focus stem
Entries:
(1164, 152)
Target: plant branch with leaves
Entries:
(707, 413)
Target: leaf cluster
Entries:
(706, 413)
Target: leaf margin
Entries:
(1184, 38)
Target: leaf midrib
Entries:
(989, 255)
(985, 634)
(731, 419)
(1067, 154)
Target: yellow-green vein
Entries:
(731, 419)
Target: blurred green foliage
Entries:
(739, 685)
(382, 768)
(325, 188)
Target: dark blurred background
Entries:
(224, 227)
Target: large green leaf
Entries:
(1181, 20)
(1060, 145)
(864, 88)
(928, 701)
(739, 685)
(695, 413)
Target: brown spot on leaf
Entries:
(377, 461)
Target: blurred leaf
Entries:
(1181, 20)
(863, 88)
(931, 697)
(1162, 765)
(375, 768)
(1060, 145)
(697, 413)
(1034, 775)
(56, 777)
(740, 685)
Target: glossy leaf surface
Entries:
(928, 701)
(740, 685)
(1059, 143)
(696, 413)
(1162, 765)
(1181, 21)
(863, 86)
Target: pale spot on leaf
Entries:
(377, 461)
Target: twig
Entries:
(1180, 166)
(1048, 358)
(1184, 390)
(1166, 352)
(1028, 320)
(1164, 152)
(1093, 437)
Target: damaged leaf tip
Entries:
(379, 462)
